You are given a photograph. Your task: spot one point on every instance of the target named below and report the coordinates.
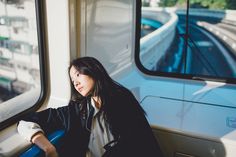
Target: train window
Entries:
(187, 38)
(20, 56)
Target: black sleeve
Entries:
(53, 119)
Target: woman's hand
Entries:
(51, 151)
(42, 142)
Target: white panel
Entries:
(109, 31)
(196, 129)
(59, 51)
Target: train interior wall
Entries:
(184, 125)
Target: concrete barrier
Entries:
(154, 45)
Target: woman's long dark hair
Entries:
(93, 68)
(105, 87)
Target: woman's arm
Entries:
(32, 132)
(28, 129)
(50, 120)
(35, 126)
(42, 142)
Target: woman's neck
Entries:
(97, 101)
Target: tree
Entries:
(231, 4)
(211, 4)
(167, 3)
(145, 3)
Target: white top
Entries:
(100, 135)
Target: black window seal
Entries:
(172, 74)
(43, 65)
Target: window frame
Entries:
(186, 45)
(43, 65)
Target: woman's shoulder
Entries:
(78, 104)
(123, 92)
(122, 97)
(126, 99)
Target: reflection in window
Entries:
(199, 41)
(19, 58)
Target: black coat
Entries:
(127, 122)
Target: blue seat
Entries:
(35, 151)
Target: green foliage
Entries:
(167, 3)
(145, 3)
(231, 4)
(219, 4)
(181, 1)
(210, 4)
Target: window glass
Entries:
(19, 57)
(189, 38)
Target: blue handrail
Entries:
(35, 151)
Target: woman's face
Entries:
(84, 84)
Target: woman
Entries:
(103, 118)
